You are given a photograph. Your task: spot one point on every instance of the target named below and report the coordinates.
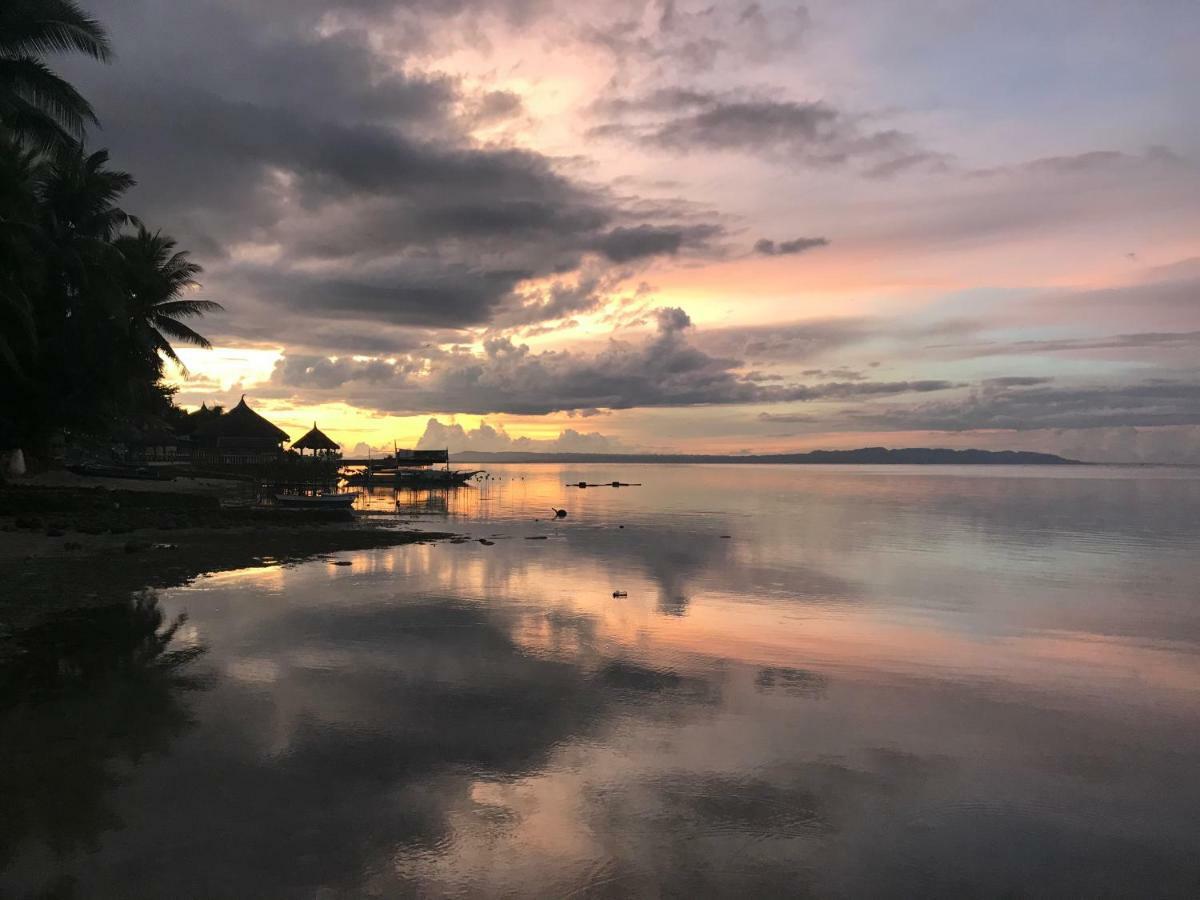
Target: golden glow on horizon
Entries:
(220, 368)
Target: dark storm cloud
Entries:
(419, 295)
(359, 177)
(323, 372)
(768, 247)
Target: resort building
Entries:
(319, 443)
(238, 437)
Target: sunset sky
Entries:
(706, 227)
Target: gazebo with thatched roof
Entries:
(239, 436)
(318, 442)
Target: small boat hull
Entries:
(412, 478)
(320, 501)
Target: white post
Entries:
(16, 463)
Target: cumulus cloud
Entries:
(322, 176)
(665, 369)
(324, 373)
(491, 439)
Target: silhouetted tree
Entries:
(36, 105)
(157, 281)
(84, 694)
(88, 311)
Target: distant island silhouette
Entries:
(921, 456)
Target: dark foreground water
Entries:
(823, 681)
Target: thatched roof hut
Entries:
(241, 427)
(317, 441)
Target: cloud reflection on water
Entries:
(840, 709)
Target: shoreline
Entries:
(99, 546)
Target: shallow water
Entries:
(831, 681)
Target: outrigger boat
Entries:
(413, 478)
(409, 469)
(318, 501)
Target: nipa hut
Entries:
(239, 436)
(151, 440)
(318, 442)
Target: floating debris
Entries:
(617, 594)
(588, 484)
(486, 542)
(342, 562)
(559, 513)
(536, 537)
(727, 536)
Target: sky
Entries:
(715, 227)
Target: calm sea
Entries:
(829, 681)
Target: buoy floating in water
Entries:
(559, 513)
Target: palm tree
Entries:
(79, 311)
(78, 198)
(157, 282)
(35, 103)
(19, 265)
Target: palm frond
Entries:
(187, 309)
(37, 27)
(180, 332)
(34, 82)
(36, 129)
